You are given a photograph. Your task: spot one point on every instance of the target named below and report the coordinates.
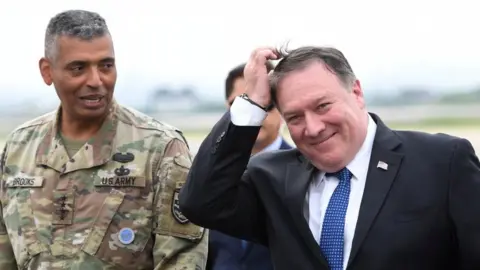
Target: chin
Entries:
(261, 137)
(328, 166)
(94, 114)
(330, 161)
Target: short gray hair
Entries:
(299, 58)
(82, 24)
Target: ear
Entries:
(358, 93)
(46, 70)
(357, 89)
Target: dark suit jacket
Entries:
(226, 252)
(422, 213)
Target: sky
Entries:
(390, 44)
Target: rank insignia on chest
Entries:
(122, 171)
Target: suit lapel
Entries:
(298, 178)
(378, 181)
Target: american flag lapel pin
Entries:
(382, 165)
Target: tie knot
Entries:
(342, 175)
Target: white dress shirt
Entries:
(243, 113)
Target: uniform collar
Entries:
(97, 150)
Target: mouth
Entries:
(92, 100)
(325, 139)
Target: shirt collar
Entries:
(275, 145)
(359, 165)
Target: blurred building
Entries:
(165, 100)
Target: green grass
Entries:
(196, 134)
(439, 123)
(430, 125)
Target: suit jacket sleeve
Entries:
(219, 193)
(464, 203)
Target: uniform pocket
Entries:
(121, 231)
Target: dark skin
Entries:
(83, 73)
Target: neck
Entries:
(259, 146)
(79, 129)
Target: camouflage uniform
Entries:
(111, 205)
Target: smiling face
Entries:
(327, 121)
(84, 75)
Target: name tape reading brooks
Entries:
(26, 181)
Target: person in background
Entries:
(269, 137)
(94, 184)
(227, 252)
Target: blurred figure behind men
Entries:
(227, 252)
(269, 137)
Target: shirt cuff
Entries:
(244, 113)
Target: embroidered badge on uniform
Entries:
(177, 214)
(123, 157)
(122, 171)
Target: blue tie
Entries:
(331, 239)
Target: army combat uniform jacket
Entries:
(111, 205)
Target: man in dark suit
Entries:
(354, 195)
(227, 252)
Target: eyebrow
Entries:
(80, 62)
(108, 59)
(315, 101)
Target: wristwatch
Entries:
(266, 109)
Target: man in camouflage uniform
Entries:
(93, 185)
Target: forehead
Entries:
(76, 49)
(313, 82)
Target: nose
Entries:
(313, 125)
(94, 79)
